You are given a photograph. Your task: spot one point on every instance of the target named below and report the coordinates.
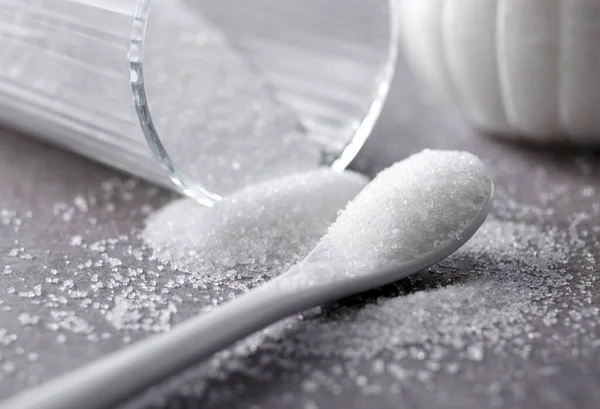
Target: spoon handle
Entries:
(113, 379)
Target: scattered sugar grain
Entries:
(8, 368)
(27, 319)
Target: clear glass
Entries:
(224, 92)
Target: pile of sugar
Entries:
(409, 209)
(255, 233)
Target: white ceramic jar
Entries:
(528, 68)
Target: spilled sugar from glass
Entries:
(410, 209)
(517, 292)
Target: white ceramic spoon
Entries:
(411, 216)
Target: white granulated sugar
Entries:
(70, 322)
(257, 231)
(411, 208)
(28, 319)
(130, 313)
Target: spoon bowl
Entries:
(316, 281)
(331, 280)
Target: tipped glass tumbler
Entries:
(203, 96)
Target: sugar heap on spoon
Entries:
(411, 208)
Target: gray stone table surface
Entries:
(66, 221)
